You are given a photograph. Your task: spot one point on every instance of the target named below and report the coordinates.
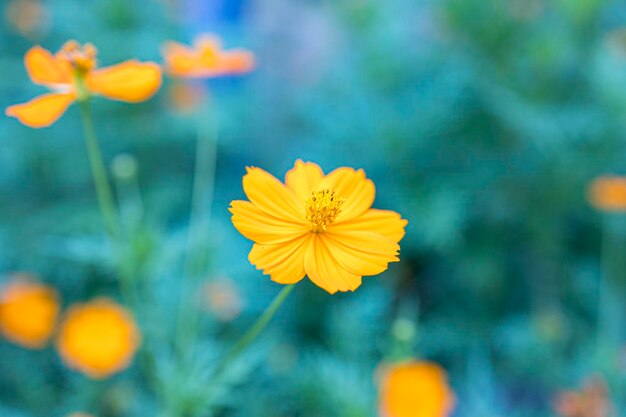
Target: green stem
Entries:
(101, 182)
(253, 332)
(106, 202)
(198, 234)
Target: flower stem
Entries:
(106, 202)
(198, 234)
(252, 333)
(101, 182)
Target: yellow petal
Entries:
(237, 61)
(324, 271)
(383, 222)
(41, 111)
(362, 253)
(357, 191)
(260, 227)
(179, 59)
(44, 68)
(271, 196)
(130, 81)
(284, 262)
(304, 178)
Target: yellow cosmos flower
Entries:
(98, 338)
(28, 312)
(205, 59)
(415, 389)
(72, 74)
(317, 225)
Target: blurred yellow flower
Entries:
(591, 401)
(98, 338)
(415, 389)
(206, 59)
(608, 193)
(72, 75)
(28, 311)
(317, 225)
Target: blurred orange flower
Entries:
(72, 75)
(28, 17)
(98, 338)
(592, 401)
(316, 225)
(415, 389)
(205, 59)
(28, 311)
(222, 298)
(185, 97)
(608, 193)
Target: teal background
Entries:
(481, 122)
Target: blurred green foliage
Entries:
(482, 122)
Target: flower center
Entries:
(83, 59)
(322, 208)
(209, 52)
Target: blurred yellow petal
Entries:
(351, 185)
(131, 81)
(325, 271)
(383, 222)
(41, 111)
(284, 262)
(271, 196)
(304, 178)
(236, 62)
(180, 60)
(46, 69)
(260, 227)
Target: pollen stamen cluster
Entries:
(322, 208)
(83, 59)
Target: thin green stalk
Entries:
(251, 334)
(198, 235)
(98, 170)
(106, 202)
(113, 228)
